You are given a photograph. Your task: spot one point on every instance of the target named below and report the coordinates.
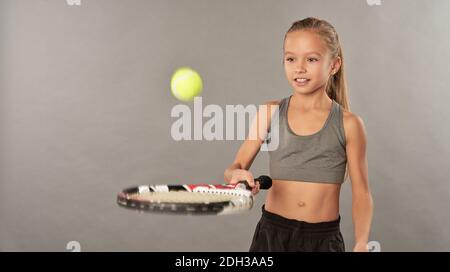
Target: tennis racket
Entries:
(197, 199)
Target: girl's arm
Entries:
(250, 147)
(362, 203)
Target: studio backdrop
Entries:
(85, 111)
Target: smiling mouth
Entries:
(301, 80)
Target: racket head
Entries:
(194, 199)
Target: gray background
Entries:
(85, 111)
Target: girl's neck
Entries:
(316, 101)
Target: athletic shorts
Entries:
(276, 233)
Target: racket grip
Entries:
(265, 182)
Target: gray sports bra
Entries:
(319, 157)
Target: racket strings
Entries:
(184, 197)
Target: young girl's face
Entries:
(307, 62)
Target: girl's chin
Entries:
(308, 90)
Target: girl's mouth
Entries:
(299, 81)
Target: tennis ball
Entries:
(186, 84)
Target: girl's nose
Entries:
(300, 69)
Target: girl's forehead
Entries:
(303, 42)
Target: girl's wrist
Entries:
(361, 243)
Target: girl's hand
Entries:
(361, 247)
(240, 175)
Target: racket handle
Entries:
(265, 182)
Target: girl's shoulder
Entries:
(353, 124)
(272, 102)
(350, 117)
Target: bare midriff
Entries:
(312, 202)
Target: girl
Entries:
(319, 139)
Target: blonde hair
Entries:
(336, 86)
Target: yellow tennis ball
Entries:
(186, 84)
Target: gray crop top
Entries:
(319, 157)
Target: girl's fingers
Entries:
(255, 189)
(250, 180)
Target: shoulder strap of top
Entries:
(339, 116)
(283, 105)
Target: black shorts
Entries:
(276, 233)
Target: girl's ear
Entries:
(336, 66)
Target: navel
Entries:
(301, 203)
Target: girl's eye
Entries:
(309, 59)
